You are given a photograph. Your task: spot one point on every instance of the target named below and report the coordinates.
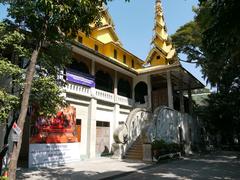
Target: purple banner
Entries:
(80, 79)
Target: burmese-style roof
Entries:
(107, 24)
(161, 58)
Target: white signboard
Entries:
(15, 137)
(16, 129)
(43, 155)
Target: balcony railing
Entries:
(105, 96)
(78, 89)
(124, 100)
(98, 94)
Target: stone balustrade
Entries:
(98, 94)
(78, 89)
(105, 96)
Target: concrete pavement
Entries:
(99, 168)
(217, 165)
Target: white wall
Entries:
(82, 113)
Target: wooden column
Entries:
(190, 101)
(181, 97)
(182, 109)
(149, 91)
(169, 87)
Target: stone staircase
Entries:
(136, 150)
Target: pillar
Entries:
(93, 92)
(115, 87)
(181, 97)
(169, 87)
(133, 90)
(149, 91)
(93, 68)
(91, 129)
(116, 113)
(182, 109)
(190, 101)
(61, 76)
(91, 124)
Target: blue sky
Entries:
(134, 22)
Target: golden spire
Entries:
(159, 11)
(159, 28)
(162, 46)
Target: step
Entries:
(136, 147)
(135, 150)
(134, 154)
(140, 152)
(134, 157)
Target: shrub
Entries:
(160, 147)
(159, 144)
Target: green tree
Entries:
(14, 49)
(187, 40)
(212, 40)
(9, 73)
(7, 100)
(49, 22)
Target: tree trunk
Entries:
(23, 110)
(5, 144)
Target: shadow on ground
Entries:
(67, 172)
(219, 165)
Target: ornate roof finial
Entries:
(158, 7)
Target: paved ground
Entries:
(221, 165)
(89, 169)
(218, 165)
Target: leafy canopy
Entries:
(212, 40)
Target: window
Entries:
(121, 122)
(115, 53)
(80, 39)
(133, 63)
(103, 124)
(79, 66)
(96, 47)
(124, 59)
(104, 81)
(158, 57)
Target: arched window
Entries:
(140, 91)
(104, 81)
(124, 88)
(79, 66)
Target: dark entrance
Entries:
(124, 88)
(141, 90)
(104, 81)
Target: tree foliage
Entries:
(49, 25)
(213, 41)
(187, 40)
(46, 95)
(10, 45)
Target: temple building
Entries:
(106, 83)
